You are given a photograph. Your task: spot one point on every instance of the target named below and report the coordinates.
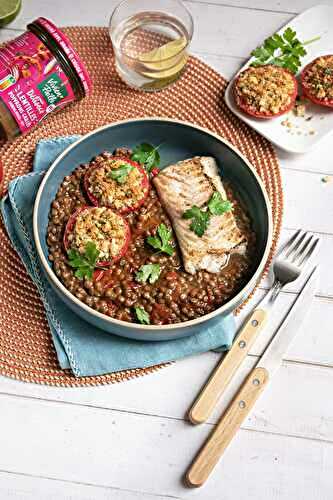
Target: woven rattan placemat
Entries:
(26, 349)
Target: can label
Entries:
(32, 83)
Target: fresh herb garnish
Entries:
(142, 315)
(217, 205)
(161, 240)
(147, 155)
(120, 174)
(148, 272)
(84, 263)
(282, 50)
(200, 219)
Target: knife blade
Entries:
(272, 357)
(251, 389)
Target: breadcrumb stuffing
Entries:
(318, 78)
(110, 192)
(265, 89)
(103, 227)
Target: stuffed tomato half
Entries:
(118, 183)
(265, 91)
(317, 81)
(106, 229)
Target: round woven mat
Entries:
(26, 349)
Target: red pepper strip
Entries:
(172, 275)
(133, 285)
(210, 297)
(103, 275)
(160, 311)
(155, 171)
(107, 280)
(98, 274)
(111, 307)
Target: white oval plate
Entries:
(304, 134)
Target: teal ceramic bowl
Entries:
(179, 141)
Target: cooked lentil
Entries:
(176, 296)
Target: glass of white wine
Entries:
(150, 39)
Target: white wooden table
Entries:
(131, 441)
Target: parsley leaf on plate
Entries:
(120, 174)
(200, 219)
(84, 263)
(161, 241)
(283, 50)
(148, 272)
(217, 205)
(147, 155)
(142, 315)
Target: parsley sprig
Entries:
(120, 174)
(161, 241)
(201, 217)
(147, 155)
(84, 263)
(217, 205)
(148, 272)
(142, 315)
(283, 50)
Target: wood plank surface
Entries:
(27, 487)
(131, 441)
(150, 454)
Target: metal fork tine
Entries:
(295, 245)
(300, 252)
(306, 257)
(288, 243)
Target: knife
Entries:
(251, 389)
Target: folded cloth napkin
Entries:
(80, 346)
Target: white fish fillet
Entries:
(192, 182)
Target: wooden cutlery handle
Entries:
(227, 427)
(223, 373)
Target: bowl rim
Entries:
(229, 305)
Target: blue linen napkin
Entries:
(80, 346)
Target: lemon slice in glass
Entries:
(8, 11)
(161, 61)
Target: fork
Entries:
(287, 267)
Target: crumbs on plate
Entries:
(299, 108)
(301, 127)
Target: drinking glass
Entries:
(151, 39)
